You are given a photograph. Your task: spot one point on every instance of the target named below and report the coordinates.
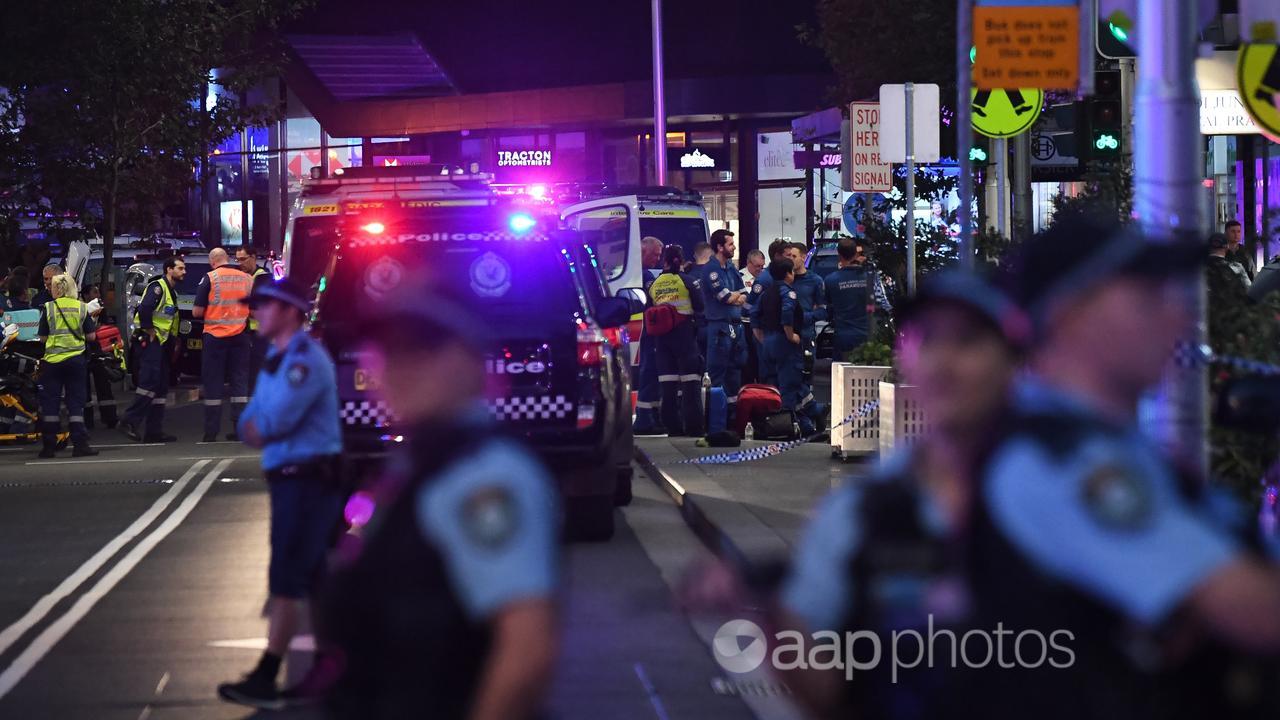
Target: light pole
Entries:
(1168, 200)
(964, 130)
(659, 103)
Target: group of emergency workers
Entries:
(766, 312)
(1047, 558)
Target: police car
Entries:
(556, 350)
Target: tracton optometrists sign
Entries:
(524, 158)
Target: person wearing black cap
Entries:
(1102, 535)
(446, 609)
(907, 526)
(293, 418)
(679, 296)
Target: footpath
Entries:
(752, 511)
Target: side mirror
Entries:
(613, 312)
(1251, 404)
(635, 299)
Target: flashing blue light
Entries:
(521, 222)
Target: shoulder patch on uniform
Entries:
(157, 291)
(792, 294)
(489, 516)
(1117, 498)
(757, 287)
(298, 374)
(715, 276)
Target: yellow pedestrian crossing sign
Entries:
(1258, 78)
(1005, 113)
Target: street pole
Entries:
(1021, 176)
(1001, 150)
(964, 128)
(908, 92)
(659, 102)
(1168, 202)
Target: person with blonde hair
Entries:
(65, 326)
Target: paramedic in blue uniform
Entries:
(155, 330)
(725, 294)
(781, 319)
(648, 420)
(811, 293)
(1160, 601)
(854, 293)
(766, 372)
(447, 608)
(679, 364)
(293, 418)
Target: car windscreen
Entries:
(191, 282)
(683, 231)
(310, 247)
(512, 282)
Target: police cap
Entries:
(1080, 252)
(975, 293)
(284, 290)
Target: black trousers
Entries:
(680, 376)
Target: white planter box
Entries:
(852, 387)
(902, 419)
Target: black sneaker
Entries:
(130, 430)
(161, 438)
(254, 691)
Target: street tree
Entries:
(118, 115)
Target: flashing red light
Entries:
(591, 345)
(1207, 182)
(374, 228)
(616, 336)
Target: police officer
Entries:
(811, 294)
(697, 269)
(248, 263)
(854, 292)
(65, 325)
(679, 366)
(448, 608)
(155, 329)
(726, 341)
(224, 358)
(1077, 529)
(648, 422)
(766, 370)
(781, 319)
(293, 418)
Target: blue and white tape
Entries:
(768, 451)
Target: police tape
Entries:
(768, 451)
(1192, 355)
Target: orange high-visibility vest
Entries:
(225, 315)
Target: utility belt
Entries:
(322, 470)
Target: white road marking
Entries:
(45, 641)
(85, 462)
(91, 566)
(146, 713)
(300, 643)
(219, 442)
(228, 457)
(130, 445)
(164, 682)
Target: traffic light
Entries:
(1106, 116)
(1116, 27)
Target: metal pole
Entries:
(1023, 223)
(1001, 148)
(908, 94)
(964, 130)
(659, 103)
(1168, 202)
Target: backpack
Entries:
(661, 319)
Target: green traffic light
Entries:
(1107, 141)
(977, 155)
(973, 53)
(1118, 32)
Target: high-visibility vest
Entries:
(66, 335)
(225, 314)
(165, 317)
(253, 322)
(670, 289)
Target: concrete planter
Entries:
(852, 387)
(902, 419)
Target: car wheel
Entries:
(589, 518)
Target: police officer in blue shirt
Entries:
(781, 319)
(156, 324)
(1071, 531)
(811, 293)
(293, 418)
(854, 292)
(725, 294)
(448, 608)
(766, 372)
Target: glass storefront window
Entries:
(302, 132)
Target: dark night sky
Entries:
(495, 45)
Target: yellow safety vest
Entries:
(253, 322)
(66, 335)
(669, 289)
(165, 318)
